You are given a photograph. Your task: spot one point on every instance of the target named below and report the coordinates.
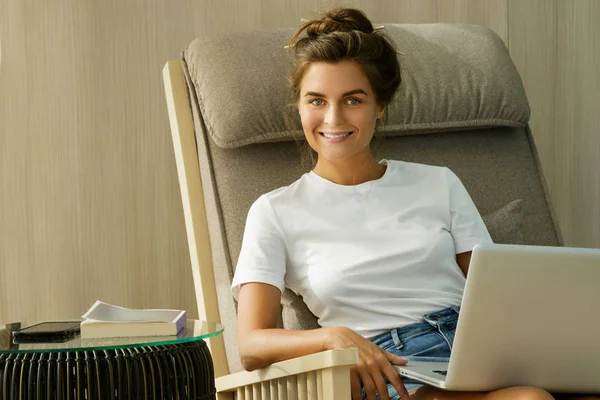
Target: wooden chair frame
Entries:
(324, 375)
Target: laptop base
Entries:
(430, 373)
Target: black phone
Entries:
(56, 331)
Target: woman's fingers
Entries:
(368, 384)
(380, 385)
(394, 378)
(355, 385)
(394, 359)
(374, 365)
(371, 375)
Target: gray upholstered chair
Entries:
(461, 105)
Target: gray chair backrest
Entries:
(461, 105)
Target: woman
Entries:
(378, 250)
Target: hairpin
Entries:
(380, 27)
(293, 44)
(376, 28)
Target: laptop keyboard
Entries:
(444, 373)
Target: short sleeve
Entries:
(467, 227)
(263, 254)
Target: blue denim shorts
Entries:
(430, 340)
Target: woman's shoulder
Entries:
(420, 170)
(284, 194)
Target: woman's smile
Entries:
(335, 137)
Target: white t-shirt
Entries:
(371, 257)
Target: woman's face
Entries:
(338, 110)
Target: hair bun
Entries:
(339, 20)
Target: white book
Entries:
(105, 320)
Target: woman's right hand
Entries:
(373, 364)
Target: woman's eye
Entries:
(353, 101)
(316, 102)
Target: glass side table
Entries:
(157, 367)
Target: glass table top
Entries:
(194, 330)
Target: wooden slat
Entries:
(311, 362)
(302, 389)
(292, 387)
(256, 393)
(320, 385)
(265, 390)
(311, 385)
(282, 389)
(240, 394)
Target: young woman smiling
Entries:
(377, 249)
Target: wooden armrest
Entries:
(295, 366)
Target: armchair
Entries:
(461, 104)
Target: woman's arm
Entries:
(463, 260)
(260, 342)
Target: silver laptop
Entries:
(530, 315)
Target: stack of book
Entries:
(104, 320)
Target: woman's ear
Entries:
(380, 111)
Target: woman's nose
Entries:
(334, 116)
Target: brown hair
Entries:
(343, 34)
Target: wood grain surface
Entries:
(555, 46)
(89, 200)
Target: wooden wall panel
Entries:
(554, 45)
(533, 50)
(89, 203)
(577, 139)
(490, 13)
(89, 200)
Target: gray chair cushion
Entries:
(496, 166)
(458, 84)
(506, 224)
(455, 77)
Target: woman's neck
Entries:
(350, 172)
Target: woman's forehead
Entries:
(334, 78)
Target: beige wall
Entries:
(555, 46)
(89, 202)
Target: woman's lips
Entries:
(335, 137)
